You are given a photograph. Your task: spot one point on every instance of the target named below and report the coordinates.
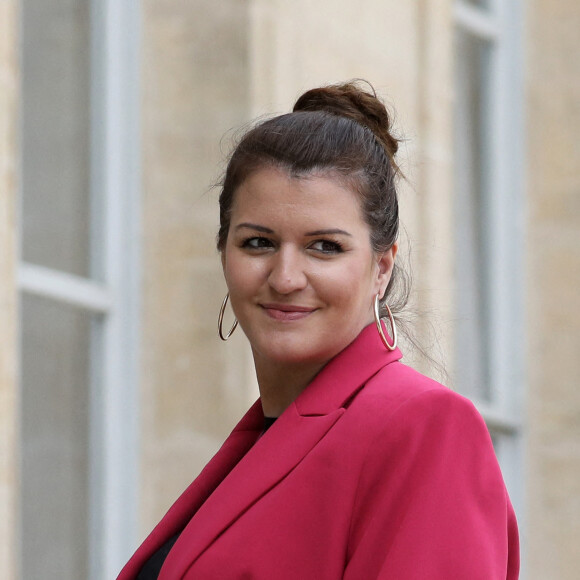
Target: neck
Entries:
(280, 385)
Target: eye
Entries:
(327, 247)
(257, 243)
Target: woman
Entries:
(350, 465)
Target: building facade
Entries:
(115, 120)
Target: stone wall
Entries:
(553, 301)
(8, 365)
(195, 88)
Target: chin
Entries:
(291, 354)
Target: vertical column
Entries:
(433, 234)
(553, 279)
(194, 96)
(8, 305)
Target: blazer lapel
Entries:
(234, 448)
(340, 380)
(267, 463)
(273, 456)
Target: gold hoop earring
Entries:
(221, 319)
(393, 346)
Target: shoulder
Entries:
(427, 464)
(400, 390)
(400, 411)
(430, 432)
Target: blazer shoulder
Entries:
(396, 383)
(397, 386)
(429, 466)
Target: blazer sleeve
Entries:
(431, 501)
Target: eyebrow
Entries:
(330, 231)
(255, 227)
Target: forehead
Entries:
(272, 193)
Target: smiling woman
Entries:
(350, 465)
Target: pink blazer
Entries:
(374, 472)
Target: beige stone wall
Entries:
(432, 181)
(553, 309)
(195, 88)
(8, 383)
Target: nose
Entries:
(287, 272)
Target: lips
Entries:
(287, 312)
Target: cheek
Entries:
(242, 276)
(234, 280)
(346, 286)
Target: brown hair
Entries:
(342, 130)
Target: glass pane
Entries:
(478, 3)
(473, 59)
(55, 440)
(496, 439)
(55, 134)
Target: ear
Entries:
(385, 265)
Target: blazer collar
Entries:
(346, 373)
(271, 458)
(179, 515)
(229, 485)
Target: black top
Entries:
(268, 422)
(152, 567)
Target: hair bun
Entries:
(351, 101)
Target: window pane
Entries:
(472, 206)
(478, 3)
(55, 440)
(55, 134)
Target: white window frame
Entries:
(112, 293)
(501, 24)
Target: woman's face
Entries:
(299, 267)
